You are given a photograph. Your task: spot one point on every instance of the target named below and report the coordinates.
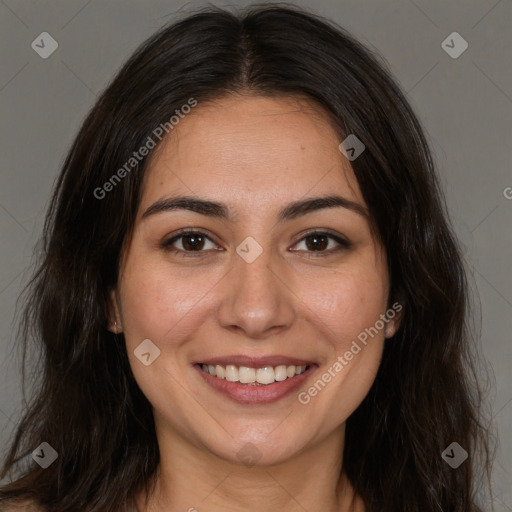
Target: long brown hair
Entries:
(87, 404)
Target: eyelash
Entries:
(343, 243)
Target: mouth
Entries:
(254, 376)
(250, 381)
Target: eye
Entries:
(194, 241)
(190, 242)
(320, 241)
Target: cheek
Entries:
(155, 303)
(346, 302)
(343, 308)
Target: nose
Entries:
(256, 299)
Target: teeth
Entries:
(266, 375)
(280, 373)
(232, 373)
(220, 371)
(246, 375)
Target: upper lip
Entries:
(255, 362)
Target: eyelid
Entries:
(324, 231)
(167, 243)
(343, 242)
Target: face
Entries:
(264, 279)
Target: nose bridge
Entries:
(256, 299)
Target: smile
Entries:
(256, 384)
(254, 376)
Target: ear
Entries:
(114, 317)
(394, 316)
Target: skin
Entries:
(255, 155)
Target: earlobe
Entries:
(394, 315)
(390, 329)
(114, 318)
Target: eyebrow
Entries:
(221, 211)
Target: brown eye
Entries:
(321, 242)
(190, 241)
(193, 242)
(317, 242)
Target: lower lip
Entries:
(247, 394)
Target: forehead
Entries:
(253, 152)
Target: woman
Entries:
(250, 297)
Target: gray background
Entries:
(465, 105)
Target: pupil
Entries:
(314, 242)
(316, 239)
(196, 241)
